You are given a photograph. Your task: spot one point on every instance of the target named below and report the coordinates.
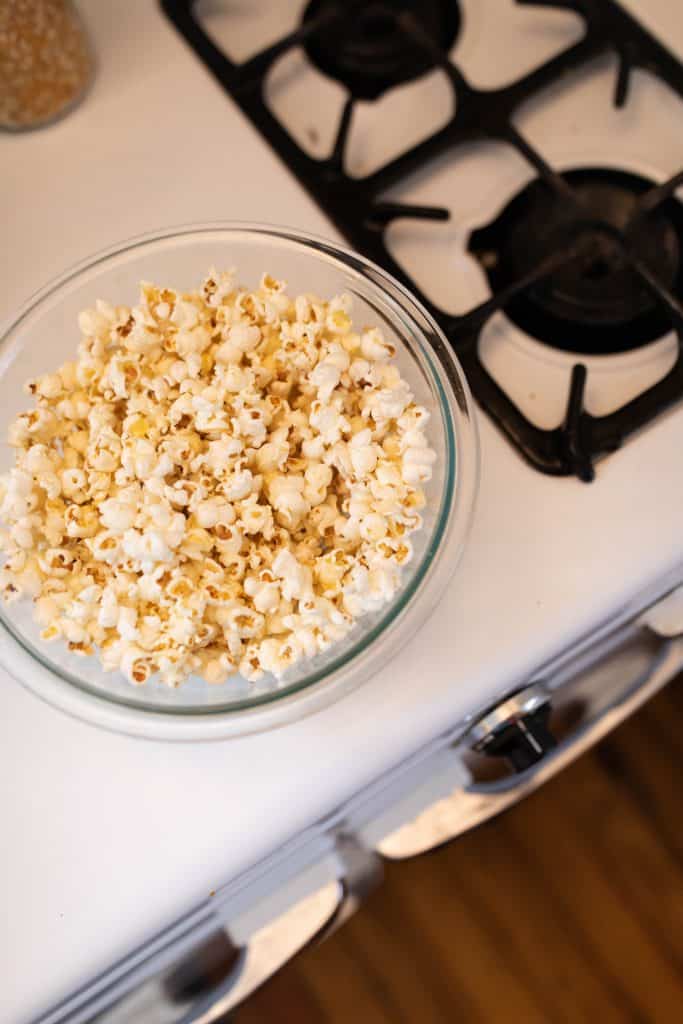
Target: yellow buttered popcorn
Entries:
(222, 481)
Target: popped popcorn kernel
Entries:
(223, 481)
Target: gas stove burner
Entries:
(372, 50)
(561, 260)
(596, 303)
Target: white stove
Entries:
(567, 591)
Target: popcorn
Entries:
(251, 424)
(135, 665)
(211, 511)
(49, 386)
(417, 463)
(363, 454)
(324, 378)
(296, 578)
(125, 623)
(318, 478)
(217, 669)
(244, 337)
(264, 592)
(373, 527)
(286, 495)
(38, 459)
(374, 347)
(21, 534)
(81, 521)
(146, 548)
(108, 614)
(222, 482)
(328, 420)
(257, 519)
(74, 482)
(239, 484)
(117, 515)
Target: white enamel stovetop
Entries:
(106, 838)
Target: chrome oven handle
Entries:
(268, 950)
(309, 921)
(193, 973)
(474, 803)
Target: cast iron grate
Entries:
(596, 304)
(356, 208)
(372, 52)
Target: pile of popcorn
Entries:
(223, 482)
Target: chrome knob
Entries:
(517, 728)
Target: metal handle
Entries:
(309, 921)
(476, 802)
(268, 950)
(193, 973)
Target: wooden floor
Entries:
(567, 908)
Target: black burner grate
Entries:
(358, 212)
(370, 52)
(596, 303)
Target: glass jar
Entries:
(46, 62)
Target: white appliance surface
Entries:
(106, 838)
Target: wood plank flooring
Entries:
(568, 908)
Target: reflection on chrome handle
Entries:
(475, 803)
(311, 920)
(193, 973)
(268, 950)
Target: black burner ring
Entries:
(368, 51)
(596, 303)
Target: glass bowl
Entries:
(45, 334)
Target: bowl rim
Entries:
(446, 544)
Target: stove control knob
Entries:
(516, 729)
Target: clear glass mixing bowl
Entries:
(45, 334)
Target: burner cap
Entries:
(596, 304)
(369, 52)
